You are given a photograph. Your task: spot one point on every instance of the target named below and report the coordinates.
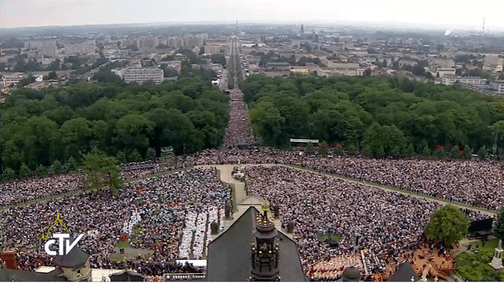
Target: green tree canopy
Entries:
(498, 229)
(448, 225)
(345, 110)
(102, 171)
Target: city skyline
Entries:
(447, 14)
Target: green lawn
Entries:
(123, 245)
(335, 238)
(490, 245)
(475, 266)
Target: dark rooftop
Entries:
(229, 255)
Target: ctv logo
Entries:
(64, 245)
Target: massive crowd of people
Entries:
(29, 189)
(474, 182)
(478, 183)
(161, 203)
(171, 215)
(133, 170)
(238, 129)
(384, 223)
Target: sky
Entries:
(442, 13)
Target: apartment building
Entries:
(450, 80)
(445, 71)
(88, 47)
(498, 86)
(141, 75)
(212, 49)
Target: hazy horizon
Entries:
(439, 14)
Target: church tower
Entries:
(265, 250)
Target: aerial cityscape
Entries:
(263, 142)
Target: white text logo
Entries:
(64, 245)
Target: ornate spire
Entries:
(265, 250)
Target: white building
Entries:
(349, 72)
(44, 47)
(212, 49)
(88, 47)
(450, 80)
(12, 78)
(446, 71)
(142, 75)
(498, 86)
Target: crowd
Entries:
(133, 170)
(332, 268)
(238, 128)
(477, 183)
(153, 210)
(29, 189)
(473, 182)
(171, 215)
(384, 223)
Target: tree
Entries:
(151, 154)
(384, 64)
(134, 156)
(133, 131)
(380, 152)
(419, 71)
(71, 164)
(121, 156)
(367, 151)
(424, 148)
(440, 153)
(309, 148)
(107, 77)
(324, 149)
(170, 72)
(56, 166)
(482, 153)
(52, 75)
(8, 173)
(498, 229)
(102, 171)
(41, 170)
(447, 224)
(467, 154)
(24, 171)
(455, 152)
(409, 151)
(395, 151)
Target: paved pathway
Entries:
(242, 201)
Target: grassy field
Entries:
(129, 252)
(474, 264)
(335, 238)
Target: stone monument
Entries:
(497, 258)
